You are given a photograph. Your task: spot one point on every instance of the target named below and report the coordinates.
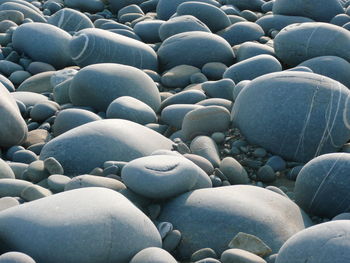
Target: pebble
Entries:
(179, 76)
(148, 30)
(202, 254)
(219, 89)
(93, 181)
(173, 115)
(24, 156)
(214, 70)
(34, 192)
(15, 257)
(57, 182)
(216, 102)
(202, 162)
(153, 254)
(184, 97)
(171, 240)
(39, 83)
(250, 243)
(53, 166)
(233, 171)
(236, 255)
(37, 136)
(266, 174)
(5, 170)
(12, 15)
(27, 9)
(206, 147)
(36, 172)
(276, 163)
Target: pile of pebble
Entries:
(164, 131)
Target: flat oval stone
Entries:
(153, 254)
(173, 115)
(216, 102)
(179, 76)
(92, 45)
(12, 187)
(28, 98)
(39, 83)
(207, 148)
(234, 171)
(37, 67)
(307, 133)
(70, 20)
(88, 180)
(90, 209)
(203, 163)
(15, 257)
(163, 176)
(7, 83)
(327, 242)
(98, 85)
(5, 170)
(194, 49)
(12, 15)
(251, 49)
(321, 183)
(254, 5)
(184, 97)
(219, 89)
(205, 121)
(13, 129)
(47, 43)
(101, 141)
(232, 209)
(57, 182)
(148, 30)
(25, 8)
(240, 256)
(299, 42)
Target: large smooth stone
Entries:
(225, 211)
(43, 42)
(163, 176)
(323, 243)
(84, 225)
(92, 45)
(70, 20)
(25, 9)
(296, 115)
(173, 115)
(15, 257)
(152, 255)
(5, 170)
(252, 49)
(206, 147)
(330, 66)
(98, 85)
(28, 98)
(194, 49)
(318, 10)
(299, 42)
(13, 129)
(322, 185)
(85, 5)
(88, 146)
(148, 30)
(39, 83)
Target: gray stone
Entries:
(87, 180)
(148, 30)
(251, 49)
(254, 5)
(131, 109)
(37, 67)
(205, 121)
(205, 147)
(34, 192)
(39, 83)
(342, 216)
(327, 242)
(214, 70)
(153, 254)
(203, 163)
(57, 182)
(266, 174)
(276, 163)
(184, 97)
(53, 166)
(18, 77)
(36, 172)
(13, 15)
(179, 76)
(15, 257)
(321, 185)
(171, 240)
(317, 114)
(195, 49)
(37, 136)
(81, 240)
(129, 9)
(6, 203)
(98, 85)
(163, 176)
(216, 102)
(299, 42)
(101, 141)
(241, 32)
(12, 187)
(92, 45)
(5, 170)
(7, 83)
(173, 115)
(202, 254)
(232, 209)
(18, 168)
(26, 10)
(92, 6)
(219, 89)
(24, 156)
(250, 243)
(8, 67)
(41, 111)
(46, 43)
(234, 171)
(236, 255)
(62, 75)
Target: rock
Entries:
(39, 83)
(70, 20)
(276, 163)
(12, 15)
(194, 49)
(87, 180)
(321, 243)
(57, 182)
(240, 256)
(15, 257)
(106, 82)
(184, 97)
(320, 188)
(250, 243)
(53, 166)
(34, 192)
(330, 66)
(92, 6)
(322, 11)
(232, 209)
(37, 136)
(216, 102)
(180, 24)
(25, 8)
(130, 9)
(62, 75)
(266, 174)
(92, 45)
(24, 156)
(299, 42)
(153, 254)
(12, 187)
(234, 171)
(7, 83)
(219, 89)
(43, 110)
(254, 5)
(135, 230)
(148, 30)
(5, 170)
(28, 98)
(241, 32)
(6, 203)
(202, 254)
(36, 172)
(13, 129)
(47, 43)
(205, 121)
(37, 67)
(8, 67)
(101, 141)
(212, 16)
(252, 68)
(203, 163)
(72, 118)
(214, 70)
(131, 109)
(251, 49)
(163, 176)
(342, 216)
(205, 147)
(173, 115)
(18, 168)
(18, 77)
(308, 132)
(171, 240)
(179, 76)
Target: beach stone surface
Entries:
(15, 257)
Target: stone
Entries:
(131, 109)
(92, 46)
(171, 240)
(53, 166)
(202, 254)
(322, 11)
(18, 168)
(71, 118)
(216, 102)
(101, 206)
(87, 180)
(57, 182)
(98, 85)
(236, 255)
(320, 188)
(180, 24)
(276, 163)
(100, 141)
(173, 115)
(203, 163)
(252, 68)
(5, 170)
(219, 89)
(36, 172)
(205, 121)
(8, 67)
(214, 70)
(342, 216)
(321, 243)
(250, 243)
(184, 97)
(43, 110)
(148, 30)
(47, 43)
(241, 32)
(18, 77)
(39, 83)
(232, 209)
(7, 83)
(234, 171)
(194, 49)
(13, 129)
(15, 257)
(206, 147)
(254, 5)
(8, 202)
(266, 174)
(37, 136)
(25, 8)
(24, 156)
(212, 16)
(34, 192)
(307, 133)
(12, 187)
(163, 176)
(129, 9)
(28, 98)
(70, 20)
(92, 6)
(179, 76)
(251, 49)
(153, 254)
(297, 43)
(12, 15)
(37, 67)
